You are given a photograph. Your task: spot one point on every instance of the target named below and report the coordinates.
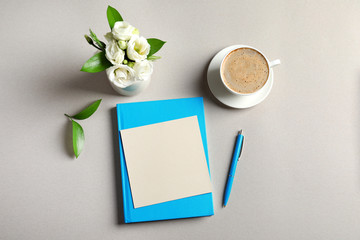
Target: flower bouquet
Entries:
(127, 57)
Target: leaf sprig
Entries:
(78, 136)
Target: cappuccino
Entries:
(244, 70)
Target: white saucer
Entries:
(223, 95)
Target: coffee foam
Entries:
(245, 70)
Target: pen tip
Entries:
(240, 132)
(224, 205)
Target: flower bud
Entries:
(122, 44)
(88, 39)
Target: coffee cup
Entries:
(245, 70)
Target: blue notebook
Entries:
(138, 114)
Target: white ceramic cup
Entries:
(270, 64)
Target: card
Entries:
(165, 161)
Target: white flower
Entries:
(138, 48)
(121, 75)
(123, 31)
(143, 70)
(109, 37)
(113, 53)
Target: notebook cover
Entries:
(137, 114)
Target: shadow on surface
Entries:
(117, 167)
(358, 120)
(92, 82)
(204, 89)
(67, 135)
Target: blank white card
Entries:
(165, 161)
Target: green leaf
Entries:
(87, 112)
(96, 63)
(99, 43)
(155, 45)
(78, 138)
(90, 41)
(153, 58)
(113, 16)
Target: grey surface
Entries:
(299, 176)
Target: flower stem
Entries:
(68, 116)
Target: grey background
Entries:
(299, 175)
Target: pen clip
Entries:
(242, 144)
